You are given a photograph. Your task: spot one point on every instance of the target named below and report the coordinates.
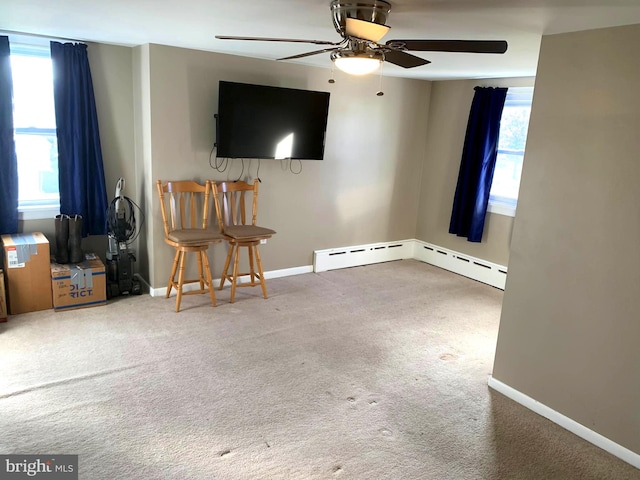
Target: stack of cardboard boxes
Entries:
(35, 283)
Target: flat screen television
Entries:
(258, 121)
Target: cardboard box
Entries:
(3, 299)
(27, 273)
(79, 285)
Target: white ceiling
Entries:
(194, 23)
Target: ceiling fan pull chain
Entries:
(380, 92)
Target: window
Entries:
(35, 131)
(514, 124)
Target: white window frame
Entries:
(501, 205)
(33, 46)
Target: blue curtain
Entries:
(8, 162)
(478, 163)
(80, 167)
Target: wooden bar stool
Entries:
(185, 208)
(230, 199)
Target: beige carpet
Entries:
(376, 372)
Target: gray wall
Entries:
(570, 324)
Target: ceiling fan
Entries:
(361, 25)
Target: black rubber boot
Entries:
(62, 239)
(75, 239)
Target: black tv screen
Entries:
(257, 121)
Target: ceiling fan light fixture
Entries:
(357, 63)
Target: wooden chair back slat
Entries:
(233, 201)
(163, 210)
(254, 207)
(183, 214)
(172, 210)
(193, 211)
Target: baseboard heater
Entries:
(335, 258)
(466, 265)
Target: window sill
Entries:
(38, 213)
(501, 209)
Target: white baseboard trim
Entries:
(462, 264)
(285, 272)
(565, 422)
(356, 256)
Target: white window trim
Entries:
(501, 209)
(38, 212)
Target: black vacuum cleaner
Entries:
(122, 231)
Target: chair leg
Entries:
(252, 270)
(172, 276)
(260, 272)
(201, 273)
(205, 259)
(180, 281)
(227, 262)
(234, 281)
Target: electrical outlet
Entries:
(263, 241)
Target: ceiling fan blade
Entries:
(404, 59)
(308, 54)
(365, 30)
(466, 46)
(266, 39)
